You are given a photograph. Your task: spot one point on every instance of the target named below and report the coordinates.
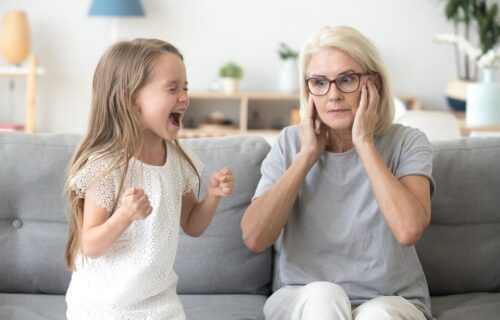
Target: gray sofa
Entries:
(218, 277)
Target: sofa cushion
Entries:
(218, 261)
(32, 306)
(223, 306)
(460, 250)
(477, 306)
(33, 226)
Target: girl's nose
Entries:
(183, 96)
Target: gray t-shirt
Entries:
(336, 231)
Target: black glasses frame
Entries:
(359, 74)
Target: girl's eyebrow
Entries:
(174, 82)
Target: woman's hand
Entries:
(365, 119)
(312, 144)
(221, 183)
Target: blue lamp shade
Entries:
(116, 8)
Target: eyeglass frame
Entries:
(359, 74)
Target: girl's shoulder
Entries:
(98, 169)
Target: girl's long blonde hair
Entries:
(113, 129)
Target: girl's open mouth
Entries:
(175, 118)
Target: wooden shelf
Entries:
(30, 72)
(466, 130)
(241, 103)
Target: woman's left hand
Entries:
(221, 183)
(366, 115)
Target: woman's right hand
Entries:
(135, 204)
(313, 144)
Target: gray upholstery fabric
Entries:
(223, 307)
(460, 250)
(32, 307)
(32, 217)
(218, 261)
(476, 306)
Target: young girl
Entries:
(131, 185)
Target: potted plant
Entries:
(288, 81)
(230, 73)
(467, 14)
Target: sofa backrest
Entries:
(33, 228)
(218, 261)
(33, 223)
(460, 250)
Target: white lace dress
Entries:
(135, 279)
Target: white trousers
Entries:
(328, 301)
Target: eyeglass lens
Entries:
(346, 83)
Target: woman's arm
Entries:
(266, 216)
(405, 204)
(196, 216)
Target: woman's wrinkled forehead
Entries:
(331, 62)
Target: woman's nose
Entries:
(334, 93)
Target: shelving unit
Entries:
(30, 72)
(239, 109)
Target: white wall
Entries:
(68, 43)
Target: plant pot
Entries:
(483, 101)
(230, 85)
(288, 81)
(456, 94)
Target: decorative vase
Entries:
(456, 94)
(15, 37)
(483, 101)
(230, 85)
(288, 82)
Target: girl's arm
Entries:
(196, 216)
(266, 216)
(405, 204)
(100, 230)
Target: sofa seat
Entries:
(223, 306)
(477, 306)
(24, 306)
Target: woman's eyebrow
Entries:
(338, 75)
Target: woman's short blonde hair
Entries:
(361, 49)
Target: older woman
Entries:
(345, 195)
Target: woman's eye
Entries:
(320, 82)
(346, 79)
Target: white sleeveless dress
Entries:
(135, 278)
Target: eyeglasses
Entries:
(346, 83)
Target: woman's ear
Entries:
(377, 81)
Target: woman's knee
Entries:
(322, 300)
(323, 290)
(387, 307)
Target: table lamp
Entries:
(15, 37)
(115, 9)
